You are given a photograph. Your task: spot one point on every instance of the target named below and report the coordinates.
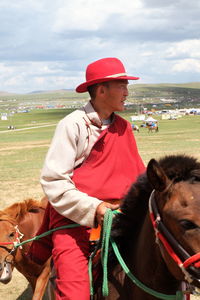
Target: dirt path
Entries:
(17, 289)
(27, 128)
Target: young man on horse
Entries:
(91, 163)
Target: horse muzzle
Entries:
(5, 272)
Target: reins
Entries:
(106, 240)
(104, 244)
(17, 243)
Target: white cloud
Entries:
(35, 75)
(90, 15)
(190, 48)
(187, 65)
(47, 44)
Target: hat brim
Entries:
(82, 88)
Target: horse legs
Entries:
(51, 284)
(42, 281)
(51, 291)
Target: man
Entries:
(92, 161)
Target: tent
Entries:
(150, 119)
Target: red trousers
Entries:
(70, 256)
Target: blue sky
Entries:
(47, 44)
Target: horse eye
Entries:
(188, 225)
(12, 234)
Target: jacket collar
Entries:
(92, 115)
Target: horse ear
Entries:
(157, 176)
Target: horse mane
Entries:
(17, 211)
(181, 167)
(134, 208)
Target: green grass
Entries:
(19, 164)
(22, 152)
(177, 137)
(34, 118)
(174, 136)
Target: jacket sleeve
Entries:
(56, 176)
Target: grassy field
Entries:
(22, 152)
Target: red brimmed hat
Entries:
(102, 70)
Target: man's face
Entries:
(116, 92)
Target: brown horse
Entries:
(173, 214)
(152, 128)
(20, 222)
(135, 128)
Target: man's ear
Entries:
(101, 89)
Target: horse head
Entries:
(175, 210)
(19, 222)
(8, 234)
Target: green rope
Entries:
(90, 275)
(37, 237)
(178, 296)
(106, 240)
(104, 244)
(105, 247)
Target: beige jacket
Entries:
(73, 140)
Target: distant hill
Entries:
(51, 91)
(184, 94)
(2, 93)
(189, 85)
(156, 93)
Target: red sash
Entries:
(113, 164)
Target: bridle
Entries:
(17, 240)
(189, 264)
(6, 265)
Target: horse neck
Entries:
(29, 226)
(147, 263)
(27, 267)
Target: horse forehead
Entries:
(185, 198)
(5, 219)
(5, 226)
(188, 192)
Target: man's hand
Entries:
(101, 209)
